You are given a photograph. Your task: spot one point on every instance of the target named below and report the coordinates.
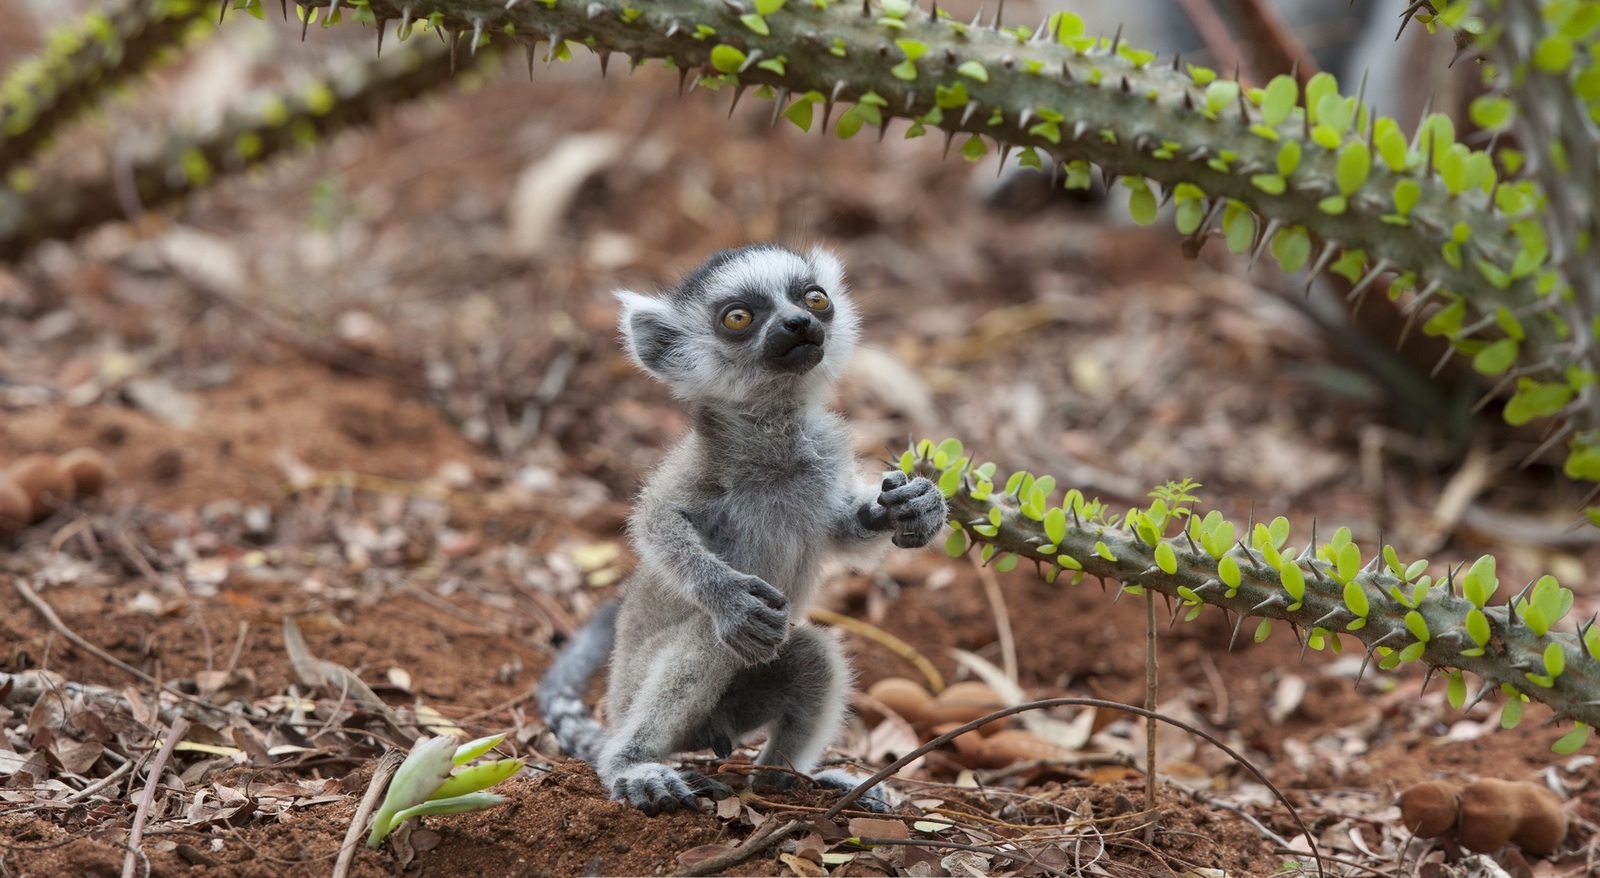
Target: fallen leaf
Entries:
(702, 853)
(878, 827)
(802, 866)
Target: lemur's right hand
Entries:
(751, 617)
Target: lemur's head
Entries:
(747, 326)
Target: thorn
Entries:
(1235, 635)
(999, 12)
(284, 4)
(1116, 39)
(694, 83)
(1361, 94)
(1176, 58)
(1555, 439)
(1416, 303)
(977, 20)
(1106, 177)
(672, 29)
(778, 105)
(477, 31)
(933, 13)
(838, 89)
(1359, 288)
(1042, 32)
(1005, 151)
(966, 115)
(883, 129)
(1426, 677)
(1326, 256)
(452, 37)
(1127, 87)
(1079, 129)
(1188, 100)
(1142, 143)
(382, 23)
(683, 74)
(1368, 657)
(605, 61)
(304, 23)
(1335, 613)
(866, 8)
(404, 30)
(1024, 119)
(1200, 154)
(1264, 243)
(1055, 174)
(1173, 622)
(737, 94)
(530, 48)
(1273, 600)
(949, 136)
(555, 42)
(1474, 700)
(1244, 106)
(1066, 71)
(222, 10)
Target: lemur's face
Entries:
(747, 324)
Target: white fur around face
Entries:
(672, 336)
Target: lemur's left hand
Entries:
(913, 508)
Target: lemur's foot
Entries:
(833, 779)
(839, 779)
(913, 508)
(652, 788)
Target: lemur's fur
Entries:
(709, 643)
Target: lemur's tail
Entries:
(562, 688)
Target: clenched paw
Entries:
(913, 508)
(752, 619)
(839, 779)
(652, 788)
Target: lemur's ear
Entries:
(647, 332)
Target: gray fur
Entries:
(731, 531)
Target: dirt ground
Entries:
(440, 504)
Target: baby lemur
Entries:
(709, 644)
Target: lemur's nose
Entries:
(796, 322)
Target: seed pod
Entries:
(15, 511)
(87, 468)
(1429, 809)
(963, 703)
(905, 697)
(42, 479)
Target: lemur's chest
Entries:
(774, 521)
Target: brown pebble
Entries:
(42, 479)
(87, 468)
(167, 466)
(1429, 809)
(15, 511)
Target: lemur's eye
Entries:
(737, 318)
(816, 299)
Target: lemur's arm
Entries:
(912, 509)
(750, 616)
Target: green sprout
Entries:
(431, 782)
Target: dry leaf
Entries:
(702, 853)
(802, 866)
(878, 827)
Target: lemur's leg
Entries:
(668, 713)
(800, 697)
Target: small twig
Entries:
(884, 639)
(385, 768)
(44, 609)
(769, 834)
(1150, 679)
(175, 733)
(889, 770)
(1002, 619)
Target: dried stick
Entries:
(769, 834)
(72, 637)
(889, 770)
(175, 733)
(387, 765)
(1002, 620)
(1150, 669)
